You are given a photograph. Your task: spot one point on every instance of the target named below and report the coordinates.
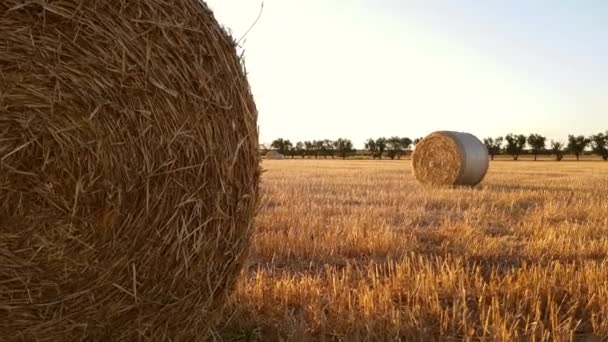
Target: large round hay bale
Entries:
(450, 158)
(274, 155)
(128, 169)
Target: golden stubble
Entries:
(358, 250)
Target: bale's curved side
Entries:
(129, 169)
(450, 158)
(475, 157)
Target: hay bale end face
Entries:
(129, 169)
(450, 158)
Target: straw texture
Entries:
(450, 158)
(128, 169)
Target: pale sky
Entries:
(368, 68)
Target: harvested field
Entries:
(357, 250)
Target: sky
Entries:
(363, 69)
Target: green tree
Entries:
(557, 149)
(318, 147)
(381, 144)
(538, 143)
(406, 144)
(599, 145)
(300, 149)
(392, 146)
(283, 146)
(515, 145)
(309, 148)
(397, 146)
(371, 146)
(494, 146)
(577, 144)
(328, 149)
(416, 141)
(343, 147)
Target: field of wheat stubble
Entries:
(357, 250)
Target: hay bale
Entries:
(128, 173)
(450, 158)
(274, 155)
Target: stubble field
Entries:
(357, 250)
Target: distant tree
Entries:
(515, 145)
(310, 148)
(557, 149)
(290, 151)
(577, 144)
(416, 141)
(283, 146)
(393, 146)
(406, 144)
(537, 143)
(319, 148)
(494, 146)
(343, 147)
(299, 150)
(371, 146)
(397, 146)
(381, 144)
(328, 148)
(599, 145)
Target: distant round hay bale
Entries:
(128, 169)
(450, 158)
(274, 155)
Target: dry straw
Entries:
(450, 158)
(128, 169)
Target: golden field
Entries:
(357, 250)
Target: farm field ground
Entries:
(357, 250)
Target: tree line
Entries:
(315, 148)
(515, 145)
(395, 147)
